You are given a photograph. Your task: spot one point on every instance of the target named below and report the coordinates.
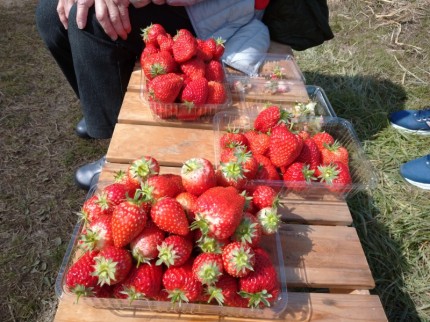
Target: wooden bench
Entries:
(326, 269)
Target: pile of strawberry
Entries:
(272, 151)
(183, 70)
(176, 237)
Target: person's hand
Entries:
(63, 9)
(159, 2)
(111, 14)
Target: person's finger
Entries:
(105, 19)
(62, 14)
(82, 12)
(125, 18)
(115, 15)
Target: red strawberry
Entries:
(334, 152)
(245, 158)
(231, 174)
(193, 68)
(336, 175)
(150, 33)
(266, 171)
(258, 142)
(195, 92)
(310, 154)
(210, 244)
(95, 207)
(188, 202)
(115, 193)
(141, 169)
(144, 246)
(198, 175)
(285, 146)
(238, 259)
(79, 277)
(219, 211)
(112, 265)
(188, 112)
(269, 220)
(131, 185)
(270, 117)
(264, 196)
(128, 220)
(322, 138)
(160, 186)
(214, 71)
(175, 250)
(260, 284)
(165, 42)
(249, 230)
(184, 46)
(181, 285)
(148, 51)
(219, 49)
(98, 234)
(298, 176)
(207, 268)
(225, 292)
(165, 88)
(206, 48)
(232, 138)
(169, 216)
(159, 63)
(216, 93)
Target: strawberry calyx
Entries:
(215, 293)
(132, 294)
(80, 290)
(142, 169)
(91, 238)
(269, 219)
(140, 258)
(177, 296)
(246, 231)
(105, 270)
(256, 298)
(241, 259)
(200, 223)
(166, 254)
(209, 273)
(233, 170)
(328, 173)
(209, 245)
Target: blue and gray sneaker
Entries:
(417, 172)
(412, 121)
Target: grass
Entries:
(377, 63)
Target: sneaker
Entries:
(417, 172)
(87, 175)
(411, 121)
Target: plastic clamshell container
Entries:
(272, 244)
(362, 173)
(181, 112)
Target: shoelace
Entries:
(423, 115)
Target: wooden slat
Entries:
(319, 212)
(300, 307)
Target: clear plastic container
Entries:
(362, 173)
(272, 244)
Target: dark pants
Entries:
(97, 68)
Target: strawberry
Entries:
(98, 234)
(334, 152)
(193, 68)
(216, 93)
(214, 71)
(163, 185)
(284, 146)
(174, 251)
(264, 196)
(198, 175)
(195, 92)
(266, 171)
(165, 88)
(336, 175)
(260, 284)
(130, 184)
(79, 277)
(321, 138)
(150, 33)
(258, 142)
(181, 285)
(188, 202)
(232, 138)
(148, 51)
(269, 220)
(219, 48)
(232, 174)
(209, 244)
(128, 220)
(159, 63)
(144, 246)
(169, 216)
(310, 154)
(188, 112)
(141, 169)
(225, 292)
(245, 158)
(249, 230)
(165, 42)
(298, 176)
(305, 135)
(112, 265)
(95, 207)
(146, 282)
(184, 46)
(219, 211)
(270, 117)
(115, 193)
(238, 259)
(206, 48)
(207, 268)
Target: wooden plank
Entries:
(325, 256)
(300, 307)
(320, 212)
(170, 146)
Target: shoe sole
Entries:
(417, 132)
(425, 186)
